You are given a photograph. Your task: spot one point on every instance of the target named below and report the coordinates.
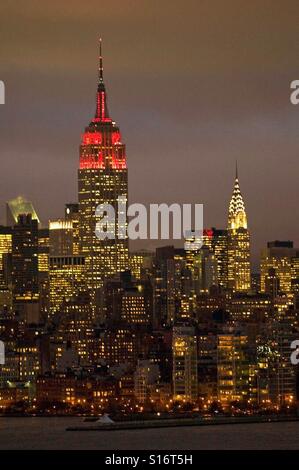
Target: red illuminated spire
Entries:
(102, 113)
(101, 63)
(101, 144)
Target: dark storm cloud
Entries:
(194, 86)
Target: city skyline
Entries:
(196, 322)
(262, 127)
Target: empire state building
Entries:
(102, 178)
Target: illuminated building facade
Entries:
(61, 237)
(5, 249)
(246, 306)
(184, 373)
(117, 346)
(295, 273)
(67, 279)
(102, 179)
(25, 263)
(205, 272)
(127, 301)
(238, 243)
(278, 374)
(43, 270)
(76, 326)
(141, 263)
(29, 361)
(220, 250)
(272, 283)
(17, 207)
(164, 285)
(278, 256)
(172, 282)
(75, 391)
(72, 215)
(232, 368)
(146, 374)
(136, 306)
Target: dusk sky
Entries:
(194, 86)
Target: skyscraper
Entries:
(238, 243)
(232, 367)
(219, 247)
(278, 255)
(25, 267)
(43, 270)
(66, 279)
(61, 237)
(184, 373)
(5, 249)
(19, 206)
(102, 179)
(72, 214)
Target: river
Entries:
(49, 433)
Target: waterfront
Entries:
(49, 433)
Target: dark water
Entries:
(49, 433)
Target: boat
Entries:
(104, 419)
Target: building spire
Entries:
(100, 62)
(102, 113)
(236, 212)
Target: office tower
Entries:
(173, 285)
(205, 273)
(215, 241)
(245, 306)
(5, 249)
(278, 256)
(29, 360)
(141, 263)
(102, 180)
(238, 243)
(136, 305)
(61, 237)
(279, 375)
(43, 250)
(66, 278)
(127, 301)
(25, 267)
(184, 373)
(255, 282)
(272, 283)
(164, 286)
(75, 326)
(283, 374)
(146, 374)
(9, 372)
(232, 367)
(72, 214)
(197, 249)
(295, 273)
(123, 345)
(64, 233)
(19, 206)
(219, 248)
(43, 270)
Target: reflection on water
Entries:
(49, 433)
